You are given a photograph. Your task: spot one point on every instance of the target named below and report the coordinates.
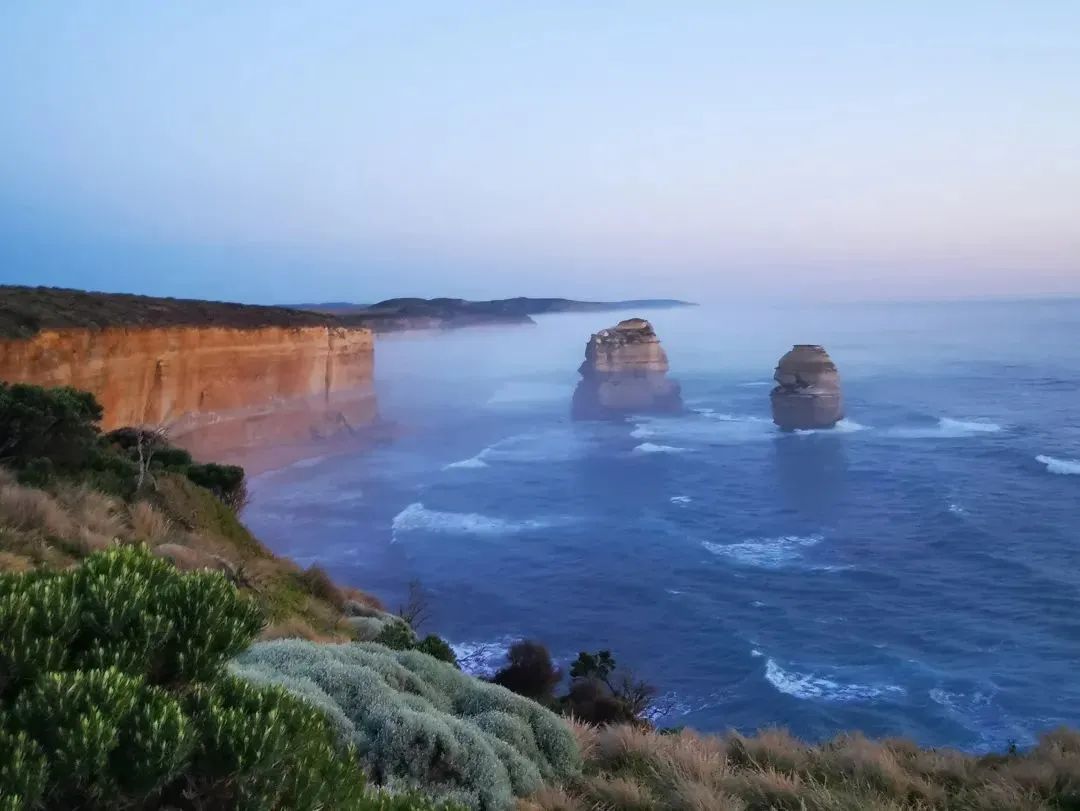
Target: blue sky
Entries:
(285, 151)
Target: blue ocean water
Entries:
(912, 572)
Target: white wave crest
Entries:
(948, 428)
(844, 426)
(540, 446)
(810, 686)
(482, 658)
(767, 553)
(417, 518)
(680, 499)
(471, 463)
(754, 384)
(1062, 467)
(704, 426)
(649, 447)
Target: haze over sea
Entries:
(913, 571)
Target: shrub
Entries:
(396, 635)
(529, 671)
(598, 696)
(317, 582)
(420, 723)
(113, 695)
(224, 481)
(53, 424)
(438, 648)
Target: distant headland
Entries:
(397, 314)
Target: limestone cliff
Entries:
(216, 388)
(625, 372)
(807, 393)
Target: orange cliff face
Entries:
(216, 390)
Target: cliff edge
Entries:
(219, 377)
(625, 372)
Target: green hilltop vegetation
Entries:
(25, 311)
(155, 655)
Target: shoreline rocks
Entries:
(807, 394)
(625, 372)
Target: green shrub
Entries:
(397, 635)
(113, 695)
(438, 648)
(224, 481)
(55, 424)
(421, 724)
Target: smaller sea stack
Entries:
(807, 393)
(625, 372)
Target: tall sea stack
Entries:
(807, 393)
(625, 372)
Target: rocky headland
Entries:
(625, 372)
(399, 314)
(218, 377)
(807, 393)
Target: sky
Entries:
(347, 150)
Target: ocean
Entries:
(912, 572)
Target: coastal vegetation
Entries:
(154, 654)
(25, 311)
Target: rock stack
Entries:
(807, 393)
(625, 372)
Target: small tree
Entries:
(416, 610)
(599, 696)
(529, 671)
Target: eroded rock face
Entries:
(625, 372)
(214, 389)
(807, 393)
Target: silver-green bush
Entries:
(421, 724)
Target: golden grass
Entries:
(55, 528)
(149, 525)
(636, 769)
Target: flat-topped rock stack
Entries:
(807, 393)
(625, 372)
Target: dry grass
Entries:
(55, 528)
(149, 525)
(631, 769)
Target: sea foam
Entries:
(767, 553)
(811, 687)
(649, 447)
(1062, 467)
(482, 658)
(948, 428)
(417, 518)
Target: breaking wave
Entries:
(1062, 467)
(417, 518)
(649, 447)
(844, 426)
(810, 686)
(482, 658)
(767, 553)
(948, 428)
(680, 499)
(705, 426)
(539, 446)
(471, 462)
